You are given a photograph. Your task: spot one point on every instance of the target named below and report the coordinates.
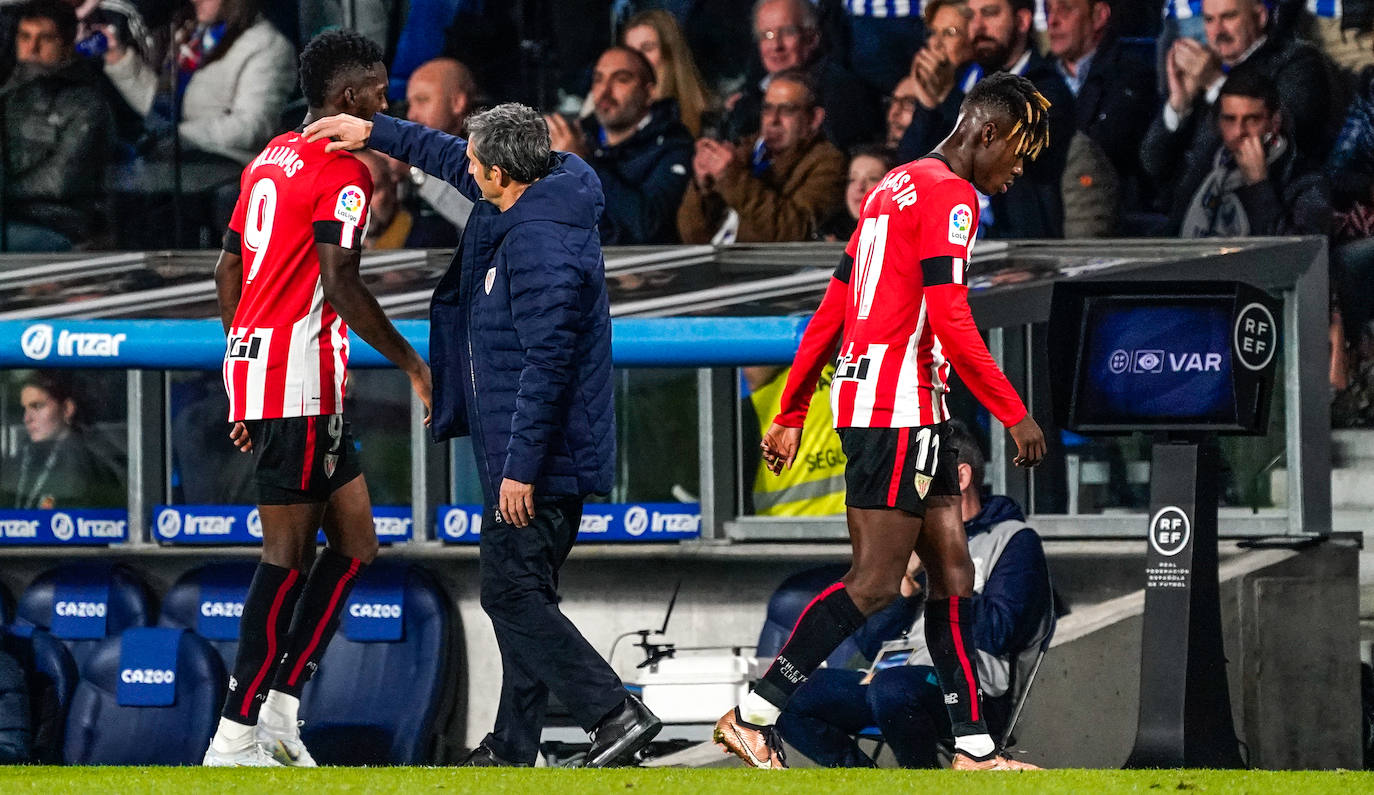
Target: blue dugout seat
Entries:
(786, 604)
(208, 601)
(386, 684)
(51, 676)
(83, 603)
(149, 696)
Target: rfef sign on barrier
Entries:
(240, 524)
(608, 522)
(74, 526)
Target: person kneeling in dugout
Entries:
(899, 693)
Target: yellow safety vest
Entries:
(814, 486)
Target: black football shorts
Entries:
(899, 467)
(302, 459)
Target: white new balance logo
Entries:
(951, 698)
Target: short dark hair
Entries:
(59, 385)
(883, 154)
(1254, 84)
(61, 14)
(642, 65)
(328, 56)
(804, 79)
(1017, 99)
(969, 451)
(1023, 5)
(514, 137)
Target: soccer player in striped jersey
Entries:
(898, 311)
(289, 291)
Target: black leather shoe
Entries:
(482, 756)
(621, 734)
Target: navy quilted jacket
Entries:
(520, 329)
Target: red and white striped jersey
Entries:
(898, 307)
(288, 349)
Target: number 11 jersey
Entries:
(288, 349)
(906, 314)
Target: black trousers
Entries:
(541, 650)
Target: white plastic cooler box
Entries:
(696, 688)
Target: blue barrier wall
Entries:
(199, 344)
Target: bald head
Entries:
(440, 95)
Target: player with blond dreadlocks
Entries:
(897, 308)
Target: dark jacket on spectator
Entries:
(58, 132)
(520, 334)
(643, 177)
(785, 203)
(1118, 94)
(1294, 200)
(1350, 166)
(1302, 75)
(1033, 207)
(14, 712)
(853, 112)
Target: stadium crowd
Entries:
(126, 122)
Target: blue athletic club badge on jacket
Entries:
(491, 279)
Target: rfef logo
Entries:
(1256, 336)
(1170, 531)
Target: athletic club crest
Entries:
(331, 462)
(491, 279)
(922, 484)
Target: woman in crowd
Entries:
(867, 166)
(656, 34)
(63, 465)
(230, 76)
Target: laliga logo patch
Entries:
(254, 523)
(490, 280)
(169, 523)
(37, 341)
(922, 484)
(636, 521)
(960, 224)
(456, 523)
(350, 206)
(62, 527)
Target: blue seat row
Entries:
(151, 695)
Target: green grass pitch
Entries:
(419, 780)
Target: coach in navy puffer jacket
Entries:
(520, 337)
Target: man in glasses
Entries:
(772, 186)
(788, 36)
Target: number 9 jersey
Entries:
(898, 308)
(288, 350)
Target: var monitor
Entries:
(1154, 356)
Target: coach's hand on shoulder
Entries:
(1030, 442)
(779, 447)
(517, 502)
(348, 132)
(239, 436)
